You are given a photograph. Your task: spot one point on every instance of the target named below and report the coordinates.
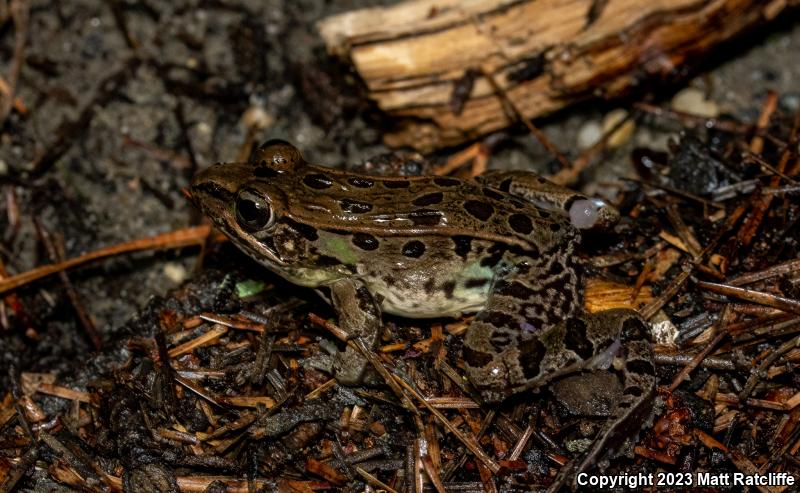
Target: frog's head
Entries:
(248, 202)
(241, 205)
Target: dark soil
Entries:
(122, 102)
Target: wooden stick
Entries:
(544, 54)
(173, 239)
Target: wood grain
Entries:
(411, 55)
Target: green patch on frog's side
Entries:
(341, 249)
(477, 271)
(250, 287)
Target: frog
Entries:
(502, 245)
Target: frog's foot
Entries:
(634, 368)
(583, 212)
(614, 340)
(632, 410)
(360, 317)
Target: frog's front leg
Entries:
(583, 212)
(359, 316)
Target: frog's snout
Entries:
(207, 191)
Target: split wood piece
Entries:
(416, 57)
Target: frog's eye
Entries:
(252, 211)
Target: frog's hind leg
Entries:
(633, 365)
(584, 212)
(504, 348)
(637, 373)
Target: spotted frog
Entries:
(502, 245)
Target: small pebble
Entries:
(257, 117)
(789, 102)
(204, 129)
(663, 330)
(623, 133)
(588, 135)
(692, 100)
(175, 272)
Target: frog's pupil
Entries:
(252, 214)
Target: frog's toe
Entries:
(489, 379)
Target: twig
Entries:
(785, 268)
(56, 255)
(767, 299)
(468, 441)
(762, 203)
(26, 461)
(684, 373)
(694, 120)
(517, 114)
(749, 156)
(19, 12)
(173, 239)
(767, 109)
(757, 373)
(568, 176)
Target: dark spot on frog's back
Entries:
(360, 182)
(443, 181)
(501, 340)
(354, 206)
(317, 181)
(520, 223)
(425, 217)
(396, 183)
(428, 199)
(365, 241)
(478, 209)
(414, 249)
(633, 329)
(328, 261)
(495, 254)
(463, 245)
